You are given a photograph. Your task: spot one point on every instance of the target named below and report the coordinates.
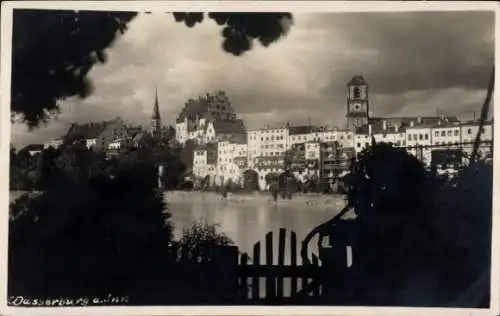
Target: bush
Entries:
(201, 235)
(93, 238)
(410, 220)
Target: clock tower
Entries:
(357, 103)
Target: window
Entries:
(426, 136)
(469, 131)
(420, 137)
(456, 132)
(436, 133)
(449, 133)
(356, 93)
(443, 133)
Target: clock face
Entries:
(357, 107)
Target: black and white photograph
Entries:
(208, 156)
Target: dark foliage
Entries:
(53, 51)
(202, 235)
(251, 180)
(100, 227)
(89, 238)
(411, 222)
(240, 29)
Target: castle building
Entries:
(211, 118)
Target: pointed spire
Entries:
(156, 110)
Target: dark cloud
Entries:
(417, 50)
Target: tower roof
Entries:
(357, 80)
(156, 110)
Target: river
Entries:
(247, 219)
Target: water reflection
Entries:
(247, 222)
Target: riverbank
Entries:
(210, 197)
(308, 199)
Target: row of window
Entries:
(272, 153)
(269, 162)
(418, 136)
(447, 133)
(269, 146)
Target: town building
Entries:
(335, 160)
(33, 149)
(205, 162)
(446, 134)
(418, 141)
(231, 158)
(211, 118)
(97, 136)
(468, 134)
(266, 142)
(380, 132)
(326, 152)
(55, 143)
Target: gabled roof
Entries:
(139, 135)
(133, 131)
(476, 123)
(378, 128)
(228, 127)
(89, 130)
(301, 129)
(207, 146)
(417, 121)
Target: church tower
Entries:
(155, 118)
(357, 103)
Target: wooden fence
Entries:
(264, 282)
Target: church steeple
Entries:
(156, 110)
(155, 118)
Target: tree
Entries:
(251, 180)
(200, 235)
(47, 171)
(271, 177)
(53, 51)
(87, 236)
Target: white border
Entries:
(282, 6)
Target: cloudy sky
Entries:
(413, 63)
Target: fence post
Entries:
(244, 276)
(293, 262)
(256, 279)
(270, 280)
(225, 263)
(281, 261)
